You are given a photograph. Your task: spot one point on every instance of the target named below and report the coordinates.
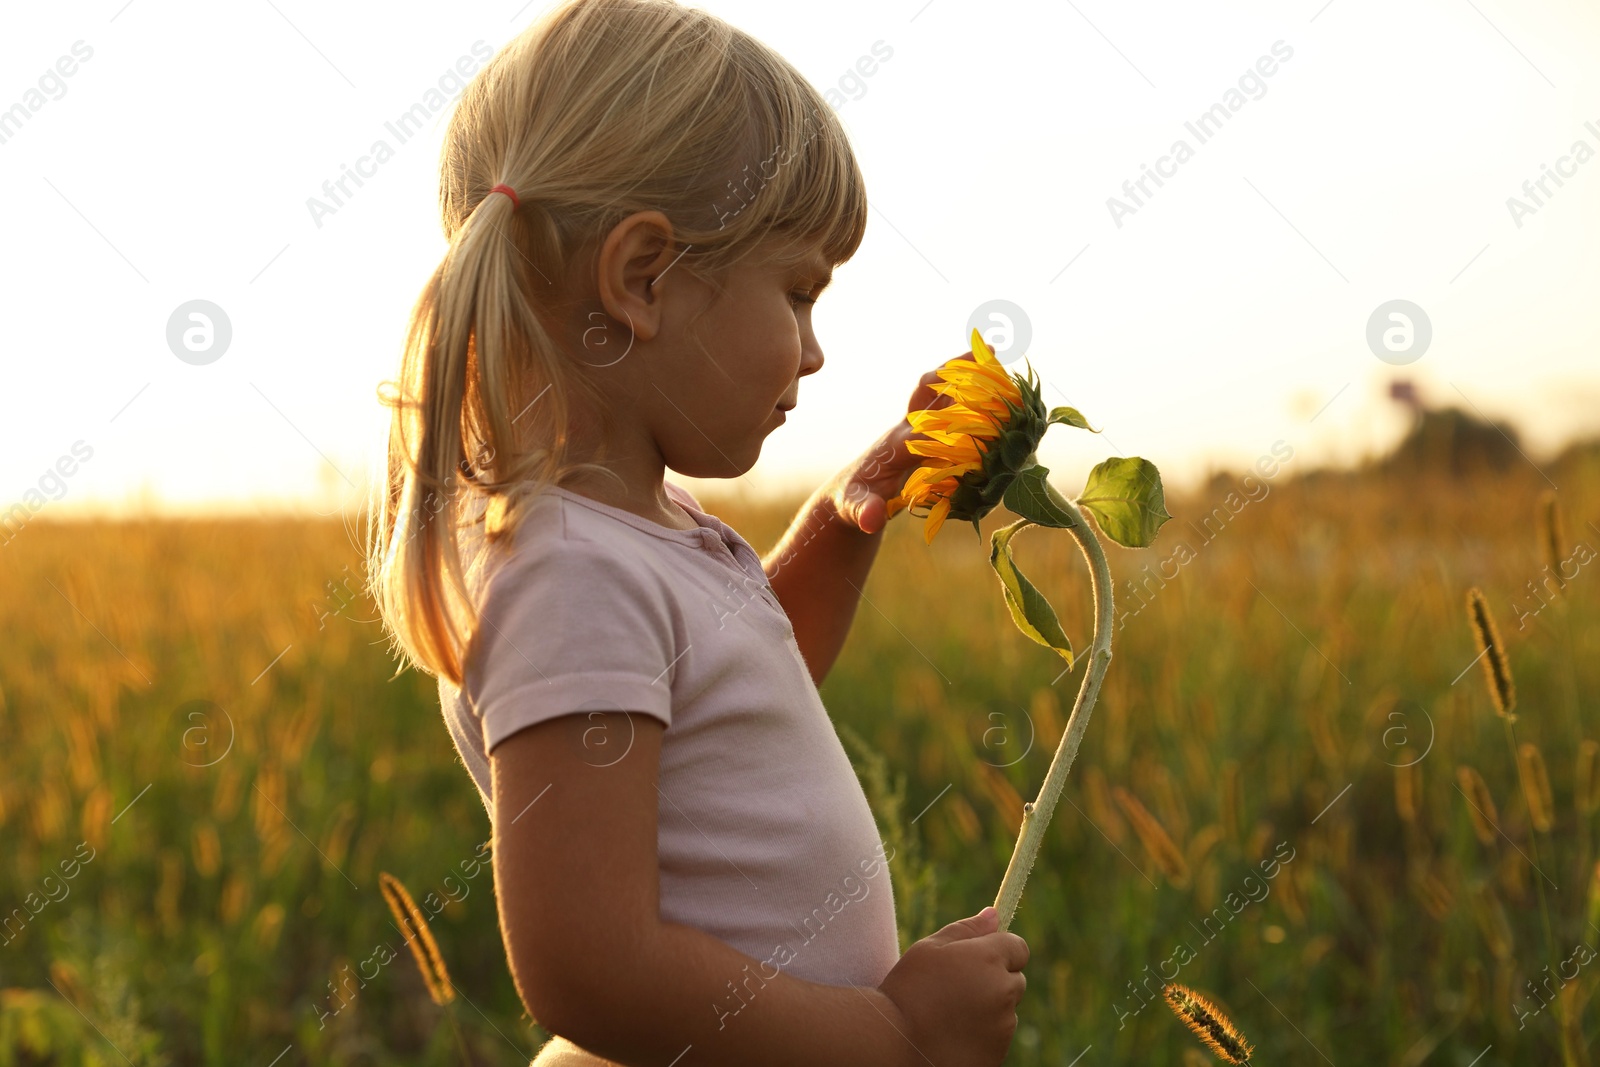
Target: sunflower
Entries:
(975, 445)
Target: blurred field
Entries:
(1317, 641)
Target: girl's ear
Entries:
(633, 258)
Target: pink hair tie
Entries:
(515, 203)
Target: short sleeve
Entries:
(570, 627)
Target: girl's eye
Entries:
(801, 298)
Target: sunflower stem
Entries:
(1036, 816)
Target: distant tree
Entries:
(1454, 442)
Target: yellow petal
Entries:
(984, 354)
(925, 494)
(932, 419)
(942, 446)
(980, 348)
(996, 413)
(963, 422)
(936, 520)
(947, 437)
(972, 392)
(967, 370)
(947, 454)
(979, 394)
(929, 477)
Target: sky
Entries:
(1360, 154)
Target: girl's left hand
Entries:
(862, 492)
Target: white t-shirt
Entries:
(764, 838)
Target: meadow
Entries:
(201, 723)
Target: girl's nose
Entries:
(810, 357)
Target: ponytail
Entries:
(454, 439)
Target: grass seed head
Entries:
(1492, 651)
(1594, 895)
(1588, 792)
(414, 925)
(1407, 786)
(1491, 917)
(1480, 804)
(1536, 786)
(1208, 1022)
(1552, 537)
(1157, 842)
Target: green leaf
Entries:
(1124, 495)
(1033, 497)
(1029, 609)
(1071, 417)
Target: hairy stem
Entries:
(1544, 909)
(1036, 816)
(461, 1041)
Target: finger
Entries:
(890, 453)
(979, 925)
(1019, 950)
(871, 514)
(923, 394)
(929, 401)
(1009, 948)
(862, 508)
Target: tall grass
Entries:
(206, 708)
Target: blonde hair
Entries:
(600, 109)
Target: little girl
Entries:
(642, 203)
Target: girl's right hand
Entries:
(958, 989)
